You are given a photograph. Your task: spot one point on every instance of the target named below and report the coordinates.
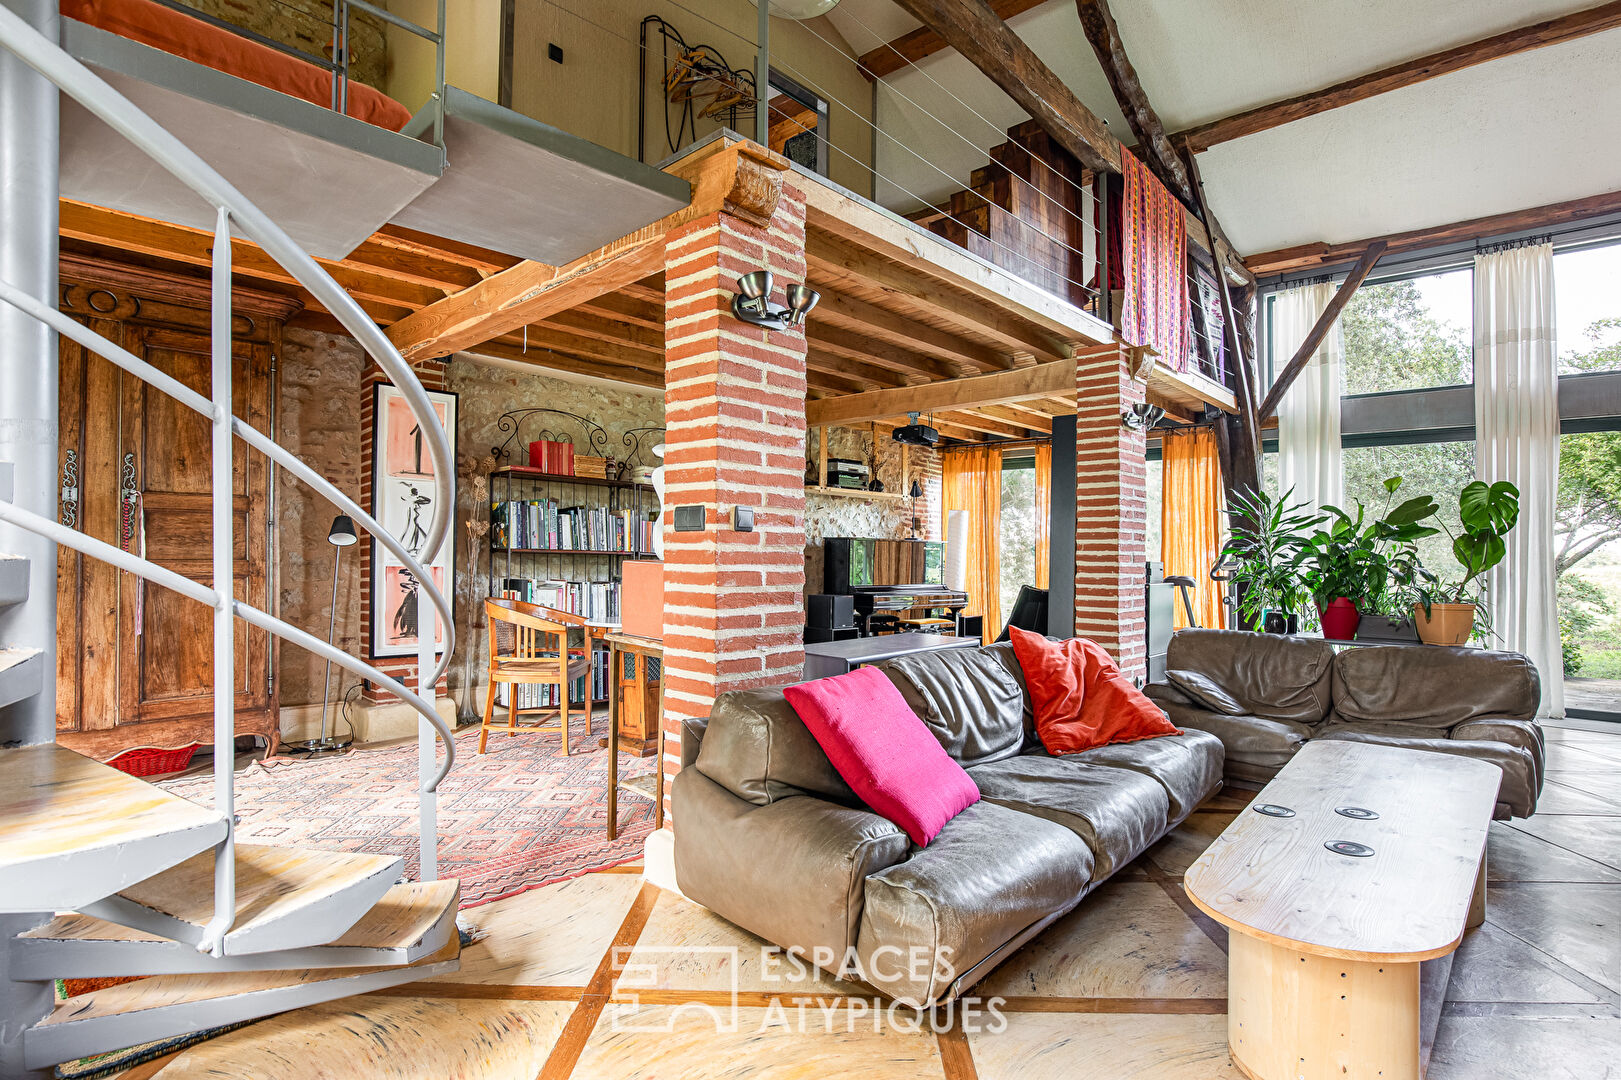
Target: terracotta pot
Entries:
(1446, 624)
(1340, 619)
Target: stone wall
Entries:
(307, 25)
(321, 398)
(884, 519)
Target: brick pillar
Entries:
(1111, 508)
(734, 410)
(432, 374)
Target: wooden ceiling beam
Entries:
(1104, 36)
(871, 376)
(621, 305)
(560, 361)
(607, 329)
(993, 389)
(909, 48)
(1536, 35)
(544, 337)
(482, 260)
(897, 329)
(1029, 420)
(868, 350)
(1321, 255)
(976, 421)
(1314, 337)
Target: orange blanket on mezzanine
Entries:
(198, 41)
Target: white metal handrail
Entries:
(74, 79)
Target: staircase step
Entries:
(167, 1006)
(286, 898)
(412, 921)
(73, 830)
(22, 673)
(13, 579)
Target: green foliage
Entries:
(1583, 607)
(1393, 343)
(1370, 562)
(1264, 549)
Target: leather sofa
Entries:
(770, 837)
(1264, 696)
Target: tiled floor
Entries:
(1132, 984)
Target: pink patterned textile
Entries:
(1154, 259)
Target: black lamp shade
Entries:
(917, 490)
(342, 532)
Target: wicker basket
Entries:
(152, 760)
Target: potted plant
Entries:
(1352, 563)
(1262, 558)
(1447, 611)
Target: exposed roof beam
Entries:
(1535, 36)
(860, 347)
(951, 395)
(849, 312)
(1020, 418)
(909, 48)
(1104, 36)
(1322, 255)
(976, 421)
(557, 361)
(1314, 337)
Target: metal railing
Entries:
(231, 207)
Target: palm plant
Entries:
(1264, 550)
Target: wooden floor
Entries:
(1133, 984)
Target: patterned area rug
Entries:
(516, 818)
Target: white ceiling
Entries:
(1522, 131)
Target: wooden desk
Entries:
(1324, 979)
(621, 644)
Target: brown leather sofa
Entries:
(770, 837)
(1265, 696)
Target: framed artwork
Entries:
(403, 502)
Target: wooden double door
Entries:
(135, 660)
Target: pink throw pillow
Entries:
(883, 751)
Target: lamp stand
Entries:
(327, 744)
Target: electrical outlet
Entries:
(689, 519)
(554, 53)
(742, 519)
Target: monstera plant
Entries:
(1448, 609)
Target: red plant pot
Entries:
(1340, 619)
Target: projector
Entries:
(916, 434)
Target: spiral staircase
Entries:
(112, 876)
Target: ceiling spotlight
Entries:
(753, 305)
(1142, 416)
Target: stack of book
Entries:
(552, 457)
(543, 525)
(597, 601)
(594, 468)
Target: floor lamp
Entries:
(341, 535)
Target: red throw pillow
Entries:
(883, 751)
(1080, 698)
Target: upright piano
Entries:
(889, 577)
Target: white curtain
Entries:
(1517, 439)
(1309, 415)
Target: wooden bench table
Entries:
(1325, 949)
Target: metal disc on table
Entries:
(1360, 813)
(1348, 847)
(1274, 810)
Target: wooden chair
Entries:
(527, 645)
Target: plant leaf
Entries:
(1415, 509)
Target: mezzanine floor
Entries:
(1132, 984)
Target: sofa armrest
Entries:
(693, 730)
(1526, 734)
(793, 871)
(1163, 694)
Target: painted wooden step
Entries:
(286, 898)
(166, 1006)
(412, 921)
(73, 830)
(22, 673)
(13, 579)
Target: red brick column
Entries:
(1111, 508)
(432, 374)
(734, 401)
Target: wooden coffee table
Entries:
(1326, 947)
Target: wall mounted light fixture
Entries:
(1142, 416)
(752, 304)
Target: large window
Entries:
(1587, 293)
(1409, 334)
(1018, 526)
(1441, 469)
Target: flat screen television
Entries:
(852, 563)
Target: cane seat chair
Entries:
(528, 647)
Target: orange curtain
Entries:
(1044, 503)
(1191, 518)
(971, 480)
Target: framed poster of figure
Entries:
(403, 496)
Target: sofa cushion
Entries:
(990, 874)
(1516, 795)
(793, 872)
(1118, 812)
(1254, 747)
(883, 751)
(759, 749)
(969, 700)
(1188, 766)
(1205, 690)
(1272, 676)
(1432, 688)
(1526, 734)
(1080, 697)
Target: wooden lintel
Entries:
(1319, 331)
(727, 174)
(1569, 27)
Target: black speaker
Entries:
(829, 612)
(817, 634)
